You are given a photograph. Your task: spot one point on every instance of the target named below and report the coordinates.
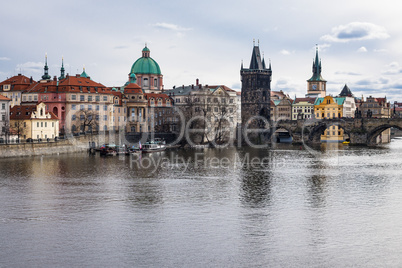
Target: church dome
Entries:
(145, 64)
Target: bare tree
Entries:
(89, 120)
(19, 128)
(223, 114)
(5, 129)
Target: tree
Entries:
(18, 128)
(88, 120)
(5, 130)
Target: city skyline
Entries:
(358, 42)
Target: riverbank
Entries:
(43, 148)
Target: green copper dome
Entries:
(145, 64)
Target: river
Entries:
(237, 207)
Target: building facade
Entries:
(4, 119)
(34, 122)
(329, 108)
(303, 108)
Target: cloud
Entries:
(347, 73)
(356, 31)
(120, 47)
(392, 69)
(362, 50)
(285, 52)
(4, 58)
(171, 27)
(31, 66)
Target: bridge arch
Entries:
(317, 131)
(373, 134)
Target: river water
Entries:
(237, 207)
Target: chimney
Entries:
(196, 81)
(183, 86)
(199, 86)
(54, 78)
(192, 86)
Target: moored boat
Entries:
(156, 145)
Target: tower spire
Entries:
(62, 69)
(46, 75)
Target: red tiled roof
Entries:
(133, 88)
(309, 100)
(2, 98)
(157, 96)
(24, 112)
(18, 82)
(70, 84)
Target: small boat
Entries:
(156, 145)
(108, 150)
(347, 141)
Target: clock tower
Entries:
(316, 85)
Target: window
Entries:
(41, 124)
(3, 106)
(105, 107)
(82, 107)
(73, 97)
(82, 98)
(89, 98)
(97, 107)
(90, 107)
(145, 82)
(104, 98)
(105, 117)
(73, 107)
(97, 117)
(155, 82)
(45, 124)
(82, 117)
(37, 124)
(97, 98)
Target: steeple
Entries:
(62, 69)
(316, 68)
(46, 75)
(256, 63)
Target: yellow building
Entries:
(33, 122)
(329, 108)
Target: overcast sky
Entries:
(360, 42)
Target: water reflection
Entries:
(234, 207)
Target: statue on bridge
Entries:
(358, 113)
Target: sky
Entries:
(360, 41)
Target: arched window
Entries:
(156, 82)
(146, 84)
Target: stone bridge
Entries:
(361, 131)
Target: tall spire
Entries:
(62, 69)
(316, 67)
(256, 63)
(46, 75)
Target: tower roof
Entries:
(256, 62)
(316, 69)
(346, 92)
(84, 74)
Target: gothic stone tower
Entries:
(255, 89)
